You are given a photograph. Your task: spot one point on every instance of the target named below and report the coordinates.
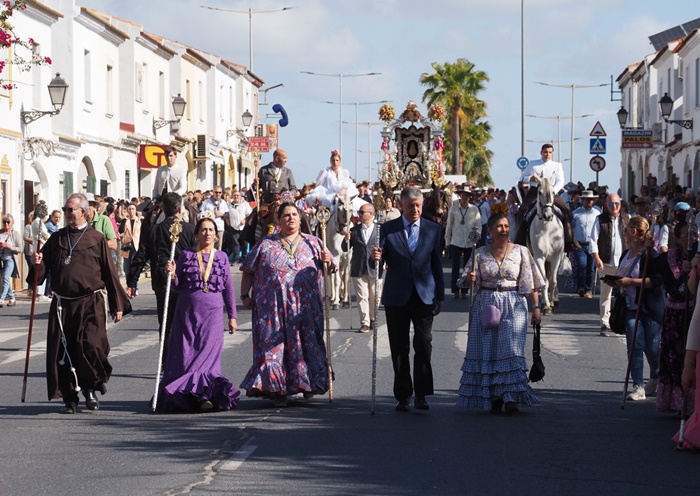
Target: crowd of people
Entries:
(644, 252)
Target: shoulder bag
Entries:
(537, 368)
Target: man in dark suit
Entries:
(414, 291)
(275, 178)
(362, 238)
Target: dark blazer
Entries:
(654, 298)
(421, 270)
(271, 186)
(361, 262)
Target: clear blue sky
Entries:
(566, 42)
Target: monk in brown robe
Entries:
(82, 273)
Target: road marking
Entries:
(38, 349)
(461, 336)
(25, 328)
(237, 459)
(383, 348)
(140, 342)
(11, 335)
(560, 342)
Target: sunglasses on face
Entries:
(7, 222)
(613, 204)
(70, 210)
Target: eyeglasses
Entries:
(218, 192)
(70, 210)
(364, 212)
(613, 204)
(7, 222)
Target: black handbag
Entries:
(618, 317)
(537, 368)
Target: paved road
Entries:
(576, 441)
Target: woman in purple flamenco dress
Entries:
(283, 273)
(192, 379)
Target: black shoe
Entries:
(497, 405)
(511, 408)
(91, 400)
(206, 406)
(70, 408)
(402, 406)
(421, 404)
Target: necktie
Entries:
(412, 238)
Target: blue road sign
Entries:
(522, 163)
(597, 146)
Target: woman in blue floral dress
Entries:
(494, 372)
(282, 283)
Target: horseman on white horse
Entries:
(335, 190)
(539, 169)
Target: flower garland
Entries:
(386, 113)
(411, 114)
(436, 113)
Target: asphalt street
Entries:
(577, 440)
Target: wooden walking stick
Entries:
(647, 255)
(474, 237)
(31, 326)
(347, 206)
(175, 231)
(323, 215)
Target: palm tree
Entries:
(455, 86)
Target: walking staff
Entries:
(175, 231)
(474, 237)
(31, 327)
(322, 216)
(377, 297)
(347, 210)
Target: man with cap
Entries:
(641, 207)
(584, 220)
(100, 223)
(462, 219)
(545, 168)
(567, 196)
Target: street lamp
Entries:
(179, 105)
(340, 98)
(250, 13)
(666, 104)
(622, 117)
(573, 89)
(57, 92)
(246, 118)
(558, 117)
(357, 104)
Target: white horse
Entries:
(338, 224)
(546, 243)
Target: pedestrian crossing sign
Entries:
(598, 146)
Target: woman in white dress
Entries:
(330, 182)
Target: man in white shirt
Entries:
(238, 211)
(361, 239)
(170, 177)
(462, 220)
(584, 220)
(217, 208)
(545, 168)
(607, 245)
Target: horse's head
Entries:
(343, 212)
(545, 199)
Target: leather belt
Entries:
(501, 289)
(584, 244)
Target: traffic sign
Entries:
(522, 163)
(597, 163)
(597, 146)
(598, 130)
